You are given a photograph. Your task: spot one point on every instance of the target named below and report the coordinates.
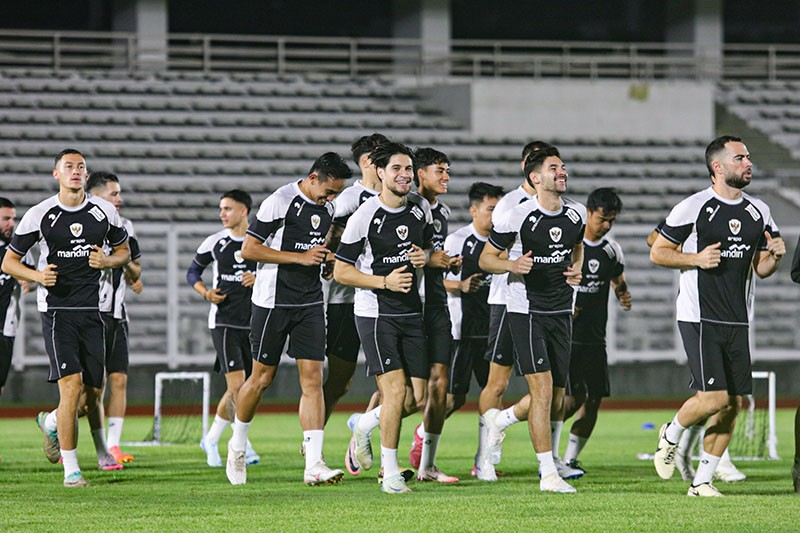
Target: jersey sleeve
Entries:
(619, 265)
(269, 219)
(453, 246)
(345, 205)
(205, 252)
(355, 233)
(680, 221)
(27, 233)
(133, 242)
(503, 232)
(769, 226)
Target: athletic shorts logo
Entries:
(402, 232)
(594, 265)
(315, 220)
(711, 381)
(555, 234)
(734, 225)
(76, 229)
(540, 361)
(437, 225)
(231, 364)
(237, 256)
(387, 362)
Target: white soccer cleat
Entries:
(235, 467)
(494, 436)
(554, 483)
(568, 472)
(434, 474)
(250, 456)
(320, 474)
(726, 471)
(363, 445)
(683, 462)
(664, 458)
(212, 453)
(484, 469)
(395, 484)
(704, 490)
(75, 479)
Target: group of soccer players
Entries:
(524, 287)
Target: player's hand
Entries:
(399, 280)
(48, 276)
(709, 257)
(522, 264)
(314, 256)
(97, 258)
(775, 246)
(417, 257)
(573, 276)
(136, 286)
(439, 259)
(24, 286)
(248, 279)
(625, 300)
(455, 264)
(472, 283)
(215, 296)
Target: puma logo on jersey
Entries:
(735, 226)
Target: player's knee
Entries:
(118, 381)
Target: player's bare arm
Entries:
(255, 251)
(13, 266)
(667, 254)
(620, 287)
(496, 261)
(766, 262)
(120, 256)
(133, 270)
(398, 280)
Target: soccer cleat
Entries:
(494, 436)
(683, 462)
(726, 471)
(407, 474)
(484, 469)
(106, 462)
(664, 458)
(363, 445)
(554, 483)
(796, 477)
(568, 472)
(250, 456)
(574, 463)
(75, 479)
(212, 453)
(320, 474)
(395, 484)
(350, 460)
(704, 490)
(415, 453)
(119, 455)
(235, 466)
(51, 447)
(434, 474)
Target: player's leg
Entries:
(726, 471)
(460, 374)
(117, 369)
(392, 386)
(6, 352)
(341, 348)
(796, 465)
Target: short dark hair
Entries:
(424, 157)
(715, 147)
(535, 160)
(66, 151)
(535, 146)
(366, 144)
(330, 165)
(381, 155)
(5, 202)
(604, 198)
(238, 195)
(100, 179)
(480, 190)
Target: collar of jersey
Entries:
(476, 234)
(73, 209)
(725, 200)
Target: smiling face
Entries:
(70, 172)
(434, 178)
(322, 191)
(396, 176)
(552, 177)
(111, 192)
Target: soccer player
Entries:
(544, 237)
(71, 228)
(10, 290)
(229, 316)
(603, 268)
(286, 240)
(115, 317)
(380, 253)
(795, 273)
(724, 235)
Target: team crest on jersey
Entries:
(594, 265)
(76, 229)
(402, 232)
(437, 225)
(735, 226)
(555, 234)
(237, 255)
(315, 220)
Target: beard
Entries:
(736, 181)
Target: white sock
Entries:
(482, 434)
(430, 442)
(239, 439)
(688, 443)
(506, 418)
(370, 420)
(389, 462)
(674, 431)
(705, 469)
(725, 460)
(217, 427)
(98, 436)
(70, 460)
(555, 435)
(574, 447)
(114, 430)
(313, 441)
(546, 464)
(50, 422)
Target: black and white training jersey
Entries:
(602, 261)
(469, 312)
(224, 252)
(112, 280)
(289, 221)
(720, 295)
(345, 205)
(499, 285)
(9, 296)
(66, 237)
(377, 241)
(435, 294)
(550, 236)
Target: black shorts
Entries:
(116, 332)
(541, 344)
(438, 335)
(6, 352)
(394, 343)
(342, 337)
(74, 341)
(233, 350)
(500, 347)
(588, 371)
(719, 357)
(467, 360)
(304, 326)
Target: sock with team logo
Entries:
(705, 469)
